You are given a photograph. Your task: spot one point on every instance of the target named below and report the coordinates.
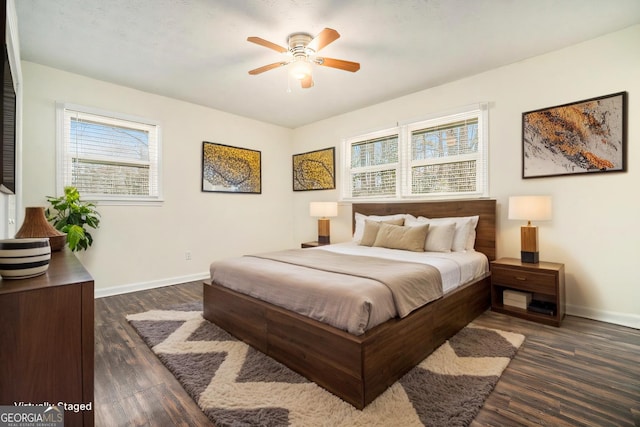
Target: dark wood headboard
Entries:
(485, 208)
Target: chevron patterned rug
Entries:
(236, 385)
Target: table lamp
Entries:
(323, 210)
(529, 208)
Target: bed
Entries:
(358, 368)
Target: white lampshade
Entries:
(530, 208)
(323, 209)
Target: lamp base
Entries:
(529, 244)
(323, 231)
(530, 257)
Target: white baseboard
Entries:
(134, 287)
(623, 319)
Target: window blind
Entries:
(444, 158)
(374, 166)
(108, 157)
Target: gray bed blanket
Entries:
(411, 284)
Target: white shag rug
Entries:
(236, 385)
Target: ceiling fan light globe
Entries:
(300, 70)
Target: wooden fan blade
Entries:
(267, 43)
(339, 63)
(307, 82)
(326, 36)
(267, 67)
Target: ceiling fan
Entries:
(302, 52)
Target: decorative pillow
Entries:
(464, 238)
(357, 234)
(399, 237)
(471, 237)
(371, 228)
(440, 235)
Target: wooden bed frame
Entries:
(360, 368)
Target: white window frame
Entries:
(347, 181)
(404, 131)
(65, 156)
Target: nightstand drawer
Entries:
(525, 280)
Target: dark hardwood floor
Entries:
(585, 373)
(132, 387)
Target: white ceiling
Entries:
(196, 50)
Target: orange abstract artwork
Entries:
(586, 136)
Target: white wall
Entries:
(144, 246)
(594, 230)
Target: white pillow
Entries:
(440, 235)
(464, 238)
(357, 234)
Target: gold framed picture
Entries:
(314, 170)
(230, 169)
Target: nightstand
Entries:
(544, 281)
(314, 244)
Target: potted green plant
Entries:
(70, 215)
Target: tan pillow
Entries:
(406, 238)
(440, 235)
(371, 228)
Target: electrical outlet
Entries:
(187, 256)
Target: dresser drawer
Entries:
(525, 280)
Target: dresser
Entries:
(46, 338)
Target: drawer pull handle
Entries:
(522, 279)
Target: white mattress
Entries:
(456, 268)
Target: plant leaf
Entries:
(75, 235)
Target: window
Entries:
(108, 156)
(440, 157)
(374, 166)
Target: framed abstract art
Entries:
(230, 169)
(314, 170)
(578, 138)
